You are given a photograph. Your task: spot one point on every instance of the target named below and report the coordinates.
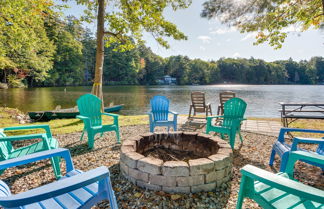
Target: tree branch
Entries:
(116, 35)
(111, 33)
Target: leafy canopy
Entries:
(24, 44)
(126, 20)
(271, 19)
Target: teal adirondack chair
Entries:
(280, 190)
(48, 142)
(230, 124)
(90, 112)
(75, 190)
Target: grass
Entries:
(65, 126)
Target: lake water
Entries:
(262, 100)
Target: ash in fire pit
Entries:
(176, 162)
(166, 154)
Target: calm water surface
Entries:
(262, 100)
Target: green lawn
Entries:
(63, 126)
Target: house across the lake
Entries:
(167, 80)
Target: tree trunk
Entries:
(97, 85)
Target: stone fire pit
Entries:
(176, 162)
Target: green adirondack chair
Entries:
(90, 112)
(280, 190)
(47, 143)
(230, 122)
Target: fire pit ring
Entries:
(176, 162)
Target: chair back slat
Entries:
(4, 189)
(234, 109)
(198, 100)
(320, 149)
(5, 147)
(225, 96)
(160, 108)
(90, 106)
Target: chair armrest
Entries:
(115, 116)
(111, 114)
(210, 118)
(283, 131)
(60, 152)
(174, 113)
(217, 116)
(302, 155)
(44, 126)
(81, 117)
(85, 119)
(56, 188)
(298, 140)
(23, 137)
(150, 114)
(283, 183)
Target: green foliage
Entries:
(199, 72)
(127, 19)
(271, 19)
(68, 63)
(153, 68)
(53, 51)
(15, 82)
(121, 67)
(178, 67)
(23, 41)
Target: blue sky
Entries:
(210, 40)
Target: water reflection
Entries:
(262, 99)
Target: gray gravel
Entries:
(255, 151)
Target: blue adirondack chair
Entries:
(90, 112)
(159, 115)
(47, 143)
(280, 190)
(283, 149)
(76, 189)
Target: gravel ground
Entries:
(255, 150)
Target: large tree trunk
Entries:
(97, 85)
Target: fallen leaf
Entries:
(137, 194)
(175, 196)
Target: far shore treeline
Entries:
(66, 57)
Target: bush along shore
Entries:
(255, 150)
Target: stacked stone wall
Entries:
(202, 174)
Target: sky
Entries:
(210, 40)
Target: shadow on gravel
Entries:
(241, 160)
(191, 125)
(83, 148)
(71, 124)
(32, 168)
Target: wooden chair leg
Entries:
(190, 109)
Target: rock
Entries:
(3, 86)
